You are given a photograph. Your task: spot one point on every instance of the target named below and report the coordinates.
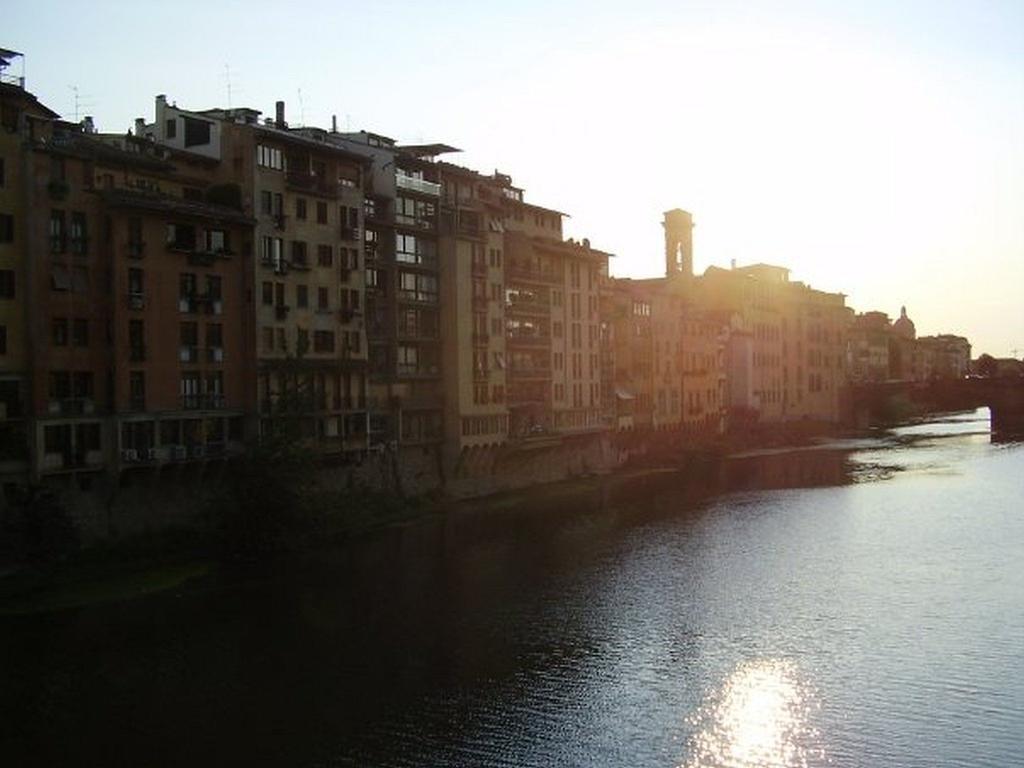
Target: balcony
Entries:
(350, 233)
(136, 301)
(528, 340)
(529, 372)
(348, 315)
(280, 221)
(307, 182)
(201, 258)
(415, 222)
(413, 370)
(420, 297)
(528, 307)
(422, 186)
(72, 406)
(518, 270)
(205, 402)
(215, 354)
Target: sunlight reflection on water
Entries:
(760, 716)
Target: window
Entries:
(80, 280)
(268, 157)
(136, 340)
(323, 341)
(172, 129)
(300, 208)
(136, 279)
(79, 240)
(321, 212)
(60, 331)
(322, 298)
(268, 339)
(137, 389)
(301, 296)
(197, 132)
(415, 287)
(213, 287)
(6, 283)
(216, 241)
(186, 285)
(80, 332)
(6, 228)
(324, 256)
(181, 237)
(299, 253)
(411, 249)
(301, 341)
(268, 293)
(57, 234)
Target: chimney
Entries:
(140, 127)
(678, 226)
(334, 123)
(279, 115)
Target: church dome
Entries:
(904, 326)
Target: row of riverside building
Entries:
(173, 294)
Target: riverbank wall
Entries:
(142, 501)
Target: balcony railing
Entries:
(202, 402)
(529, 272)
(413, 184)
(72, 406)
(528, 307)
(530, 340)
(307, 182)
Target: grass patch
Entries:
(27, 593)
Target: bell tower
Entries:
(678, 226)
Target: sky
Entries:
(874, 148)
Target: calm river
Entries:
(858, 604)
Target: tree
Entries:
(987, 366)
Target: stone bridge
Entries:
(891, 401)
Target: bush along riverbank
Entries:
(269, 505)
(273, 504)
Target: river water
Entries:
(858, 604)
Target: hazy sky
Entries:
(874, 148)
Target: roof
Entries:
(427, 150)
(293, 136)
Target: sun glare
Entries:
(758, 717)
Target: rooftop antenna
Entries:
(227, 76)
(79, 103)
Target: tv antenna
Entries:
(80, 103)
